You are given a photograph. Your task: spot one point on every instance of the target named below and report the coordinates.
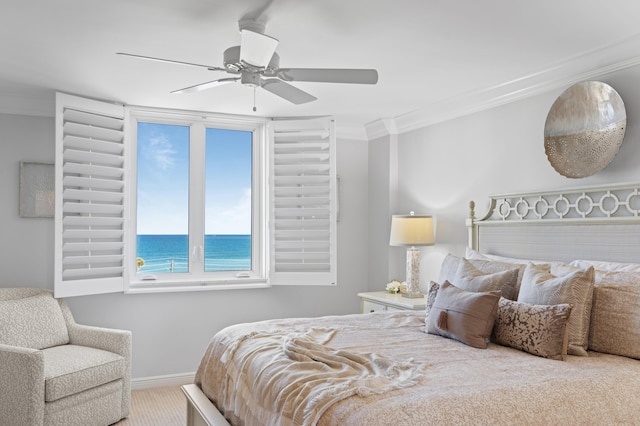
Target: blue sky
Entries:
(163, 178)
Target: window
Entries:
(199, 214)
(156, 200)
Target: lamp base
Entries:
(412, 295)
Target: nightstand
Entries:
(377, 301)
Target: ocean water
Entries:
(170, 253)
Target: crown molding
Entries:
(590, 65)
(381, 128)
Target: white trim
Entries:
(590, 65)
(381, 128)
(161, 381)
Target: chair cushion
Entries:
(34, 322)
(70, 369)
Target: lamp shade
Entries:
(411, 230)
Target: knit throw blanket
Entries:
(292, 378)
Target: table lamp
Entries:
(412, 231)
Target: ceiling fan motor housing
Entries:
(250, 78)
(233, 64)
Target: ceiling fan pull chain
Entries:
(254, 99)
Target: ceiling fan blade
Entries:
(207, 85)
(287, 91)
(256, 50)
(329, 75)
(150, 58)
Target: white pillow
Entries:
(607, 266)
(473, 254)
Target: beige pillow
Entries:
(537, 329)
(615, 315)
(33, 322)
(462, 315)
(452, 265)
(470, 278)
(542, 285)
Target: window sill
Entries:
(138, 287)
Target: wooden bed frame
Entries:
(590, 223)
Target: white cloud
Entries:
(233, 218)
(161, 151)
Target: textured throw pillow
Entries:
(492, 266)
(537, 329)
(462, 315)
(470, 278)
(542, 285)
(432, 292)
(615, 315)
(33, 322)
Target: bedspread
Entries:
(291, 378)
(458, 384)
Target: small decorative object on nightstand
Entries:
(412, 231)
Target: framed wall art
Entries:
(36, 189)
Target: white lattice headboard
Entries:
(594, 223)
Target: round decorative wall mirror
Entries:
(584, 129)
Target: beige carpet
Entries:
(165, 406)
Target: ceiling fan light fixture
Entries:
(256, 49)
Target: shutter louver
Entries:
(302, 202)
(90, 197)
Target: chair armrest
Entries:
(107, 339)
(21, 386)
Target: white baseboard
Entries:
(159, 381)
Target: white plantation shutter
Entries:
(302, 202)
(90, 197)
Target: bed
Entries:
(538, 323)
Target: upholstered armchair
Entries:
(56, 372)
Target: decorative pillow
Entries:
(452, 264)
(431, 297)
(492, 266)
(537, 329)
(542, 285)
(470, 278)
(33, 322)
(448, 268)
(465, 316)
(615, 315)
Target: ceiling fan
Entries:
(255, 63)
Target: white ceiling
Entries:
(430, 54)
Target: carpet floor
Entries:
(165, 406)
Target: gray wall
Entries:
(444, 166)
(171, 330)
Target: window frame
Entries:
(197, 278)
